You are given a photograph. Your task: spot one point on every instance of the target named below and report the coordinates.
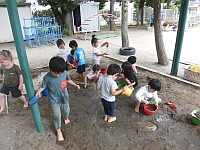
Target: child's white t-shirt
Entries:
(107, 84)
(63, 53)
(144, 94)
(96, 50)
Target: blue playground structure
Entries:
(41, 31)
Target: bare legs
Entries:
(23, 99)
(137, 107)
(59, 135)
(2, 103)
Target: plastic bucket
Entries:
(150, 109)
(121, 85)
(128, 91)
(104, 70)
(195, 120)
(45, 92)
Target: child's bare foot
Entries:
(2, 110)
(67, 121)
(137, 109)
(106, 118)
(26, 104)
(111, 119)
(60, 136)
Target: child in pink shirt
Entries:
(93, 75)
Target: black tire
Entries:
(127, 50)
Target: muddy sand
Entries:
(167, 129)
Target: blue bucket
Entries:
(45, 92)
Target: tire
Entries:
(127, 50)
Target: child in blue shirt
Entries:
(79, 56)
(56, 82)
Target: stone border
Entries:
(160, 73)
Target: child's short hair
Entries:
(132, 59)
(72, 52)
(96, 67)
(73, 43)
(6, 54)
(59, 42)
(155, 84)
(113, 69)
(57, 64)
(94, 39)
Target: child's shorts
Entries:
(14, 90)
(81, 69)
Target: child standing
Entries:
(13, 79)
(70, 59)
(147, 92)
(80, 58)
(129, 75)
(96, 53)
(56, 81)
(62, 52)
(109, 90)
(132, 60)
(93, 75)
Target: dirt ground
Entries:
(174, 129)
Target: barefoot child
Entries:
(96, 53)
(147, 92)
(109, 90)
(56, 81)
(13, 80)
(93, 75)
(79, 56)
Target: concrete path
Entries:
(142, 40)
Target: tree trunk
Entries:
(160, 48)
(138, 17)
(111, 12)
(58, 16)
(142, 16)
(124, 24)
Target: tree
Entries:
(62, 10)
(124, 24)
(160, 48)
(139, 5)
(18, 1)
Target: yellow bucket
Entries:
(128, 91)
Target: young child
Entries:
(93, 75)
(79, 56)
(13, 80)
(96, 53)
(132, 60)
(109, 90)
(129, 75)
(62, 52)
(70, 59)
(147, 92)
(56, 82)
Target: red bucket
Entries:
(150, 109)
(104, 70)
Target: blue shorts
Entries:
(81, 69)
(109, 107)
(14, 90)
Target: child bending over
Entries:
(132, 60)
(147, 92)
(93, 75)
(109, 90)
(70, 59)
(13, 80)
(129, 75)
(56, 82)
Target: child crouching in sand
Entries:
(147, 92)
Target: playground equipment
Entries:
(41, 30)
(87, 22)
